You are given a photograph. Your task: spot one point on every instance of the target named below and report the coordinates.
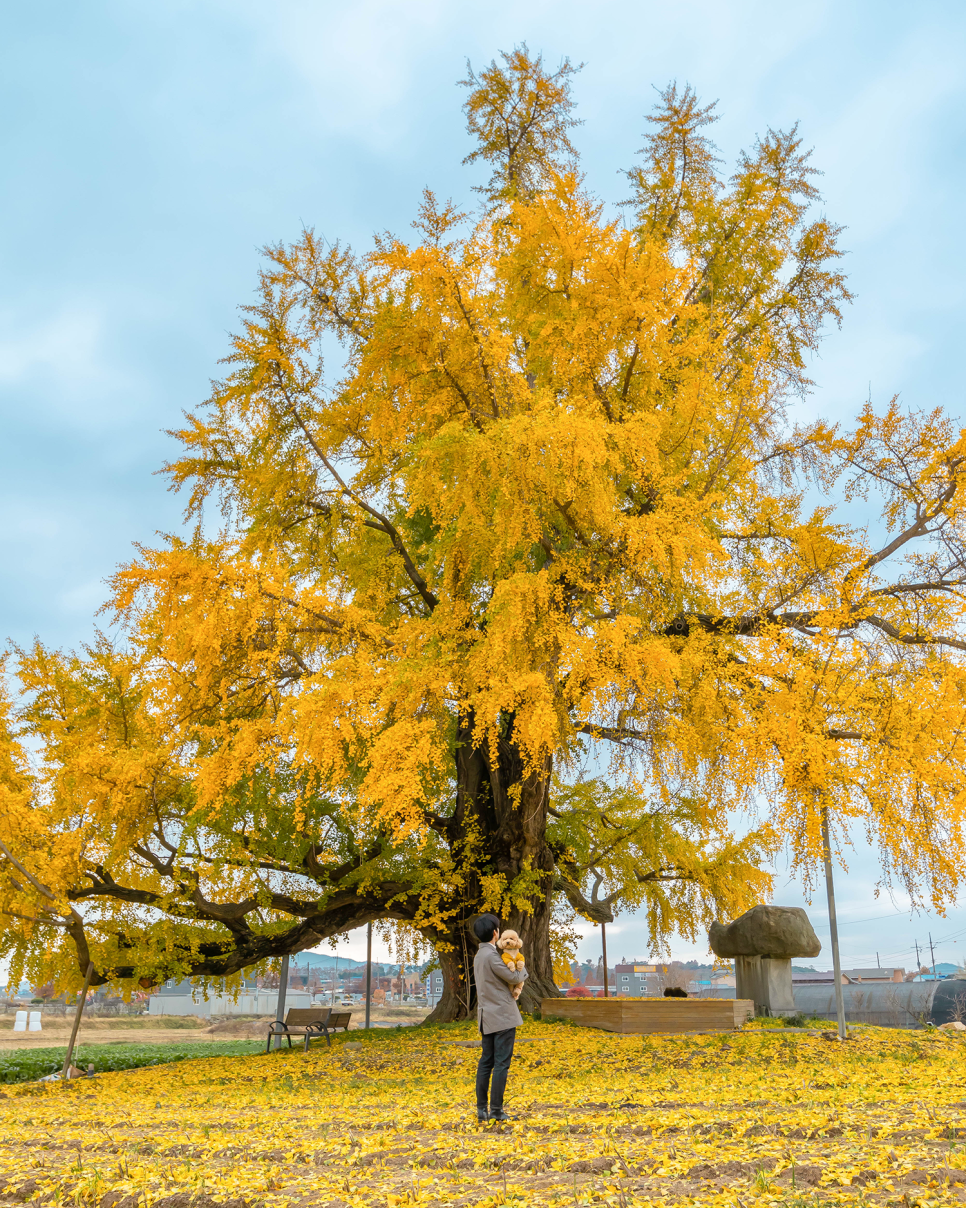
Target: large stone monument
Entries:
(763, 943)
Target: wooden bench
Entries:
(339, 1019)
(310, 1022)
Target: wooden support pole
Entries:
(77, 1018)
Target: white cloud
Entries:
(84, 598)
(61, 359)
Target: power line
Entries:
(875, 919)
(878, 918)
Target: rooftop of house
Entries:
(823, 976)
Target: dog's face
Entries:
(509, 940)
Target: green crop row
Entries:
(25, 1065)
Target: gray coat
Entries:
(496, 1008)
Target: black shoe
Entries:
(481, 1115)
(499, 1115)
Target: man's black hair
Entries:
(485, 926)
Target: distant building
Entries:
(182, 998)
(721, 985)
(849, 977)
(637, 980)
(434, 987)
(875, 975)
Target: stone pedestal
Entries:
(767, 981)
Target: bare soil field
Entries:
(176, 1029)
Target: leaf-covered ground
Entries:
(760, 1117)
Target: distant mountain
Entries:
(317, 960)
(329, 960)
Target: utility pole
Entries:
(280, 1005)
(915, 944)
(368, 972)
(933, 955)
(878, 964)
(603, 940)
(833, 928)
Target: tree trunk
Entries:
(507, 809)
(534, 930)
(519, 846)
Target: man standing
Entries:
(498, 1015)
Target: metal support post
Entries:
(833, 928)
(280, 1006)
(368, 972)
(603, 941)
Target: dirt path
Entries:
(49, 1038)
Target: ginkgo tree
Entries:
(110, 858)
(548, 507)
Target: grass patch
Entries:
(790, 1021)
(25, 1065)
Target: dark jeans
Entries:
(495, 1059)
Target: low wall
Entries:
(636, 1016)
(888, 1004)
(261, 1002)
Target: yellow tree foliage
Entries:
(546, 509)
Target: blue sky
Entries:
(149, 150)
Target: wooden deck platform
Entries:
(631, 1016)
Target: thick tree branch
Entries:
(49, 921)
(597, 911)
(39, 886)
